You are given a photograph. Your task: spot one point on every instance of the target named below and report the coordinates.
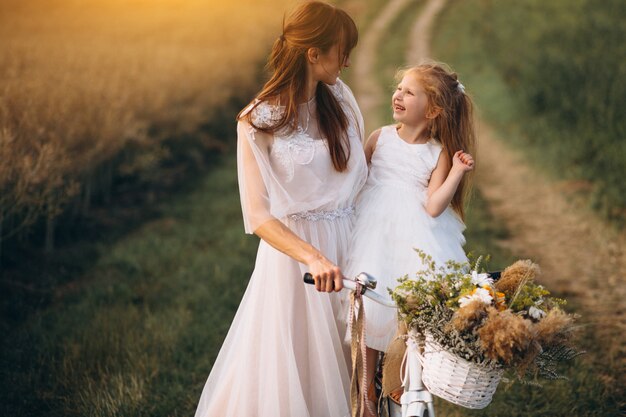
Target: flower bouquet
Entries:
(472, 328)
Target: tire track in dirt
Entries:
(419, 39)
(367, 90)
(581, 257)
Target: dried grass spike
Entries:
(554, 329)
(469, 316)
(505, 336)
(515, 275)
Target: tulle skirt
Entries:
(284, 354)
(391, 222)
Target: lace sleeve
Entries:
(253, 176)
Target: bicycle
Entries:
(415, 401)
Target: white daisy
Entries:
(481, 294)
(481, 280)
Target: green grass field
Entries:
(133, 323)
(551, 79)
(137, 333)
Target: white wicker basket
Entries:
(455, 379)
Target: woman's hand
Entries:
(327, 275)
(462, 161)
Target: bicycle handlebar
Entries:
(368, 292)
(351, 285)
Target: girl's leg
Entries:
(370, 392)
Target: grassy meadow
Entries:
(97, 93)
(127, 315)
(552, 79)
(392, 56)
(136, 335)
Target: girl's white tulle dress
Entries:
(284, 354)
(392, 221)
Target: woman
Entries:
(300, 166)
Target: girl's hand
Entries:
(327, 275)
(462, 161)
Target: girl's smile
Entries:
(409, 101)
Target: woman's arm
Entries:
(254, 173)
(445, 180)
(327, 276)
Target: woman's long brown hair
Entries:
(454, 124)
(311, 25)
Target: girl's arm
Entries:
(370, 145)
(445, 180)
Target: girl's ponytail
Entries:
(465, 136)
(454, 124)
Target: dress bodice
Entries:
(295, 164)
(397, 162)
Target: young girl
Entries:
(413, 197)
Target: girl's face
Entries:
(329, 65)
(409, 101)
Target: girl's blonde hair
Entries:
(453, 124)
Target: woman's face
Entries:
(409, 101)
(329, 65)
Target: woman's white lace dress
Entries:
(283, 355)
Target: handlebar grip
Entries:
(308, 279)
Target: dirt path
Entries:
(419, 41)
(367, 89)
(582, 258)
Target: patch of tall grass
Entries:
(93, 91)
